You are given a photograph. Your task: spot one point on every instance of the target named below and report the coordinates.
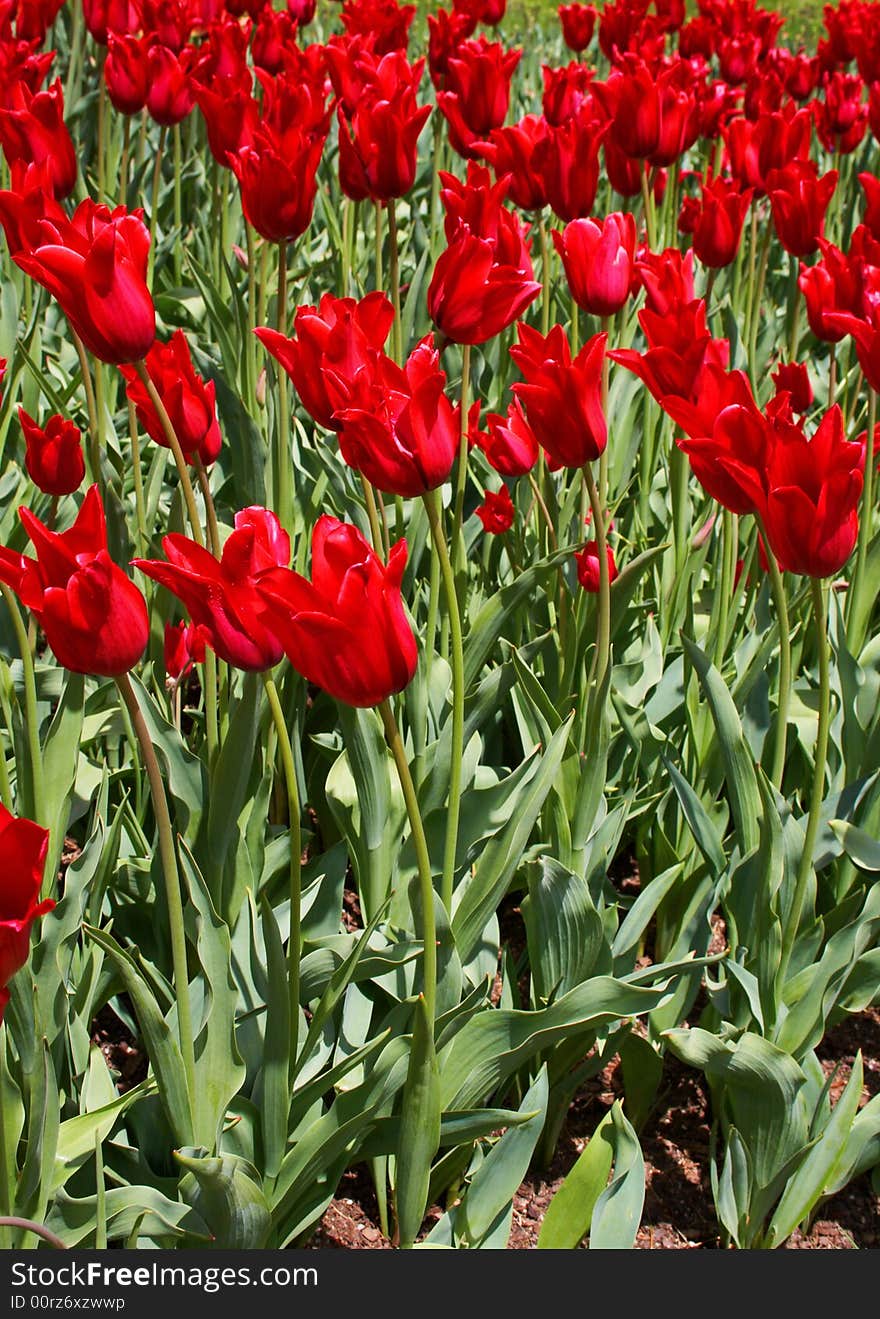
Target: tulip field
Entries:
(439, 636)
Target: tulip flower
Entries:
(598, 257)
(566, 91)
(799, 200)
(509, 443)
(184, 646)
(53, 454)
(679, 349)
(94, 265)
(718, 222)
(105, 16)
(396, 426)
(221, 595)
(339, 335)
(23, 846)
(813, 491)
(169, 91)
(378, 143)
(446, 32)
(188, 400)
(567, 159)
(497, 512)
(562, 397)
(667, 278)
(33, 132)
(385, 22)
(274, 34)
(126, 74)
(578, 22)
(93, 615)
(511, 151)
(587, 566)
(730, 459)
(345, 630)
(841, 118)
(832, 285)
(168, 22)
(483, 281)
(477, 91)
(793, 379)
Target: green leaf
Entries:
(76, 1136)
(704, 832)
(498, 1177)
(127, 1207)
(618, 1212)
(570, 1212)
(60, 755)
(566, 936)
(275, 1089)
(226, 1194)
(419, 1129)
(860, 846)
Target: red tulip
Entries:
(566, 90)
(598, 257)
(169, 90)
(33, 18)
(274, 34)
(105, 16)
(396, 426)
(340, 335)
(483, 281)
(126, 74)
(793, 379)
(345, 630)
(385, 22)
(477, 91)
(831, 286)
(771, 142)
(230, 113)
(94, 617)
(497, 512)
(841, 119)
(562, 397)
(33, 131)
(667, 278)
(719, 220)
(24, 846)
(578, 22)
(222, 595)
(871, 188)
(303, 11)
(730, 458)
(489, 12)
(53, 454)
(587, 566)
(680, 349)
(378, 143)
(512, 151)
(168, 22)
(509, 443)
(189, 401)
(813, 491)
(568, 161)
(184, 646)
(799, 199)
(446, 32)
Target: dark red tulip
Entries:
(511, 151)
(799, 199)
(169, 91)
(667, 278)
(189, 401)
(93, 616)
(274, 34)
(566, 90)
(302, 11)
(509, 442)
(385, 22)
(587, 566)
(841, 118)
(221, 595)
(578, 22)
(33, 132)
(832, 285)
(598, 257)
(168, 22)
(477, 91)
(793, 379)
(730, 458)
(120, 17)
(378, 143)
(126, 73)
(719, 220)
(230, 113)
(446, 32)
(562, 397)
(341, 336)
(871, 188)
(346, 630)
(497, 512)
(24, 846)
(53, 454)
(679, 350)
(184, 646)
(568, 160)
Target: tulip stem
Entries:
(832, 375)
(780, 604)
(818, 789)
(123, 164)
(178, 204)
(648, 204)
(283, 458)
(210, 510)
(174, 445)
(250, 352)
(154, 204)
(373, 516)
(38, 1229)
(102, 135)
(856, 616)
(728, 566)
(137, 472)
(380, 277)
(757, 301)
(92, 409)
(7, 1179)
(168, 855)
(603, 621)
(457, 657)
(461, 474)
(394, 258)
(30, 705)
(294, 943)
(426, 887)
(546, 286)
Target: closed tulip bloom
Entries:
(730, 462)
(230, 113)
(497, 512)
(189, 401)
(511, 151)
(53, 454)
(126, 73)
(562, 397)
(23, 846)
(829, 287)
(169, 22)
(509, 443)
(799, 199)
(345, 630)
(93, 616)
(841, 118)
(446, 32)
(598, 257)
(667, 278)
(277, 174)
(221, 595)
(95, 266)
(33, 132)
(169, 90)
(864, 327)
(339, 335)
(568, 161)
(184, 646)
(385, 22)
(632, 100)
(484, 280)
(578, 22)
(587, 566)
(105, 16)
(718, 228)
(793, 379)
(477, 91)
(679, 349)
(378, 146)
(566, 91)
(813, 491)
(274, 33)
(396, 426)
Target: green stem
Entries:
(461, 474)
(168, 855)
(856, 615)
(394, 257)
(457, 657)
(294, 944)
(380, 278)
(426, 887)
(30, 705)
(603, 621)
(178, 204)
(818, 789)
(154, 204)
(8, 1175)
(648, 204)
(757, 301)
(373, 516)
(250, 351)
(546, 285)
(283, 459)
(728, 567)
(780, 604)
(92, 408)
(123, 166)
(174, 445)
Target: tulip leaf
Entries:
(569, 1214)
(154, 1215)
(275, 1090)
(498, 1177)
(618, 1210)
(861, 847)
(77, 1135)
(419, 1127)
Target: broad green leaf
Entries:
(419, 1128)
(570, 1212)
(618, 1210)
(498, 1177)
